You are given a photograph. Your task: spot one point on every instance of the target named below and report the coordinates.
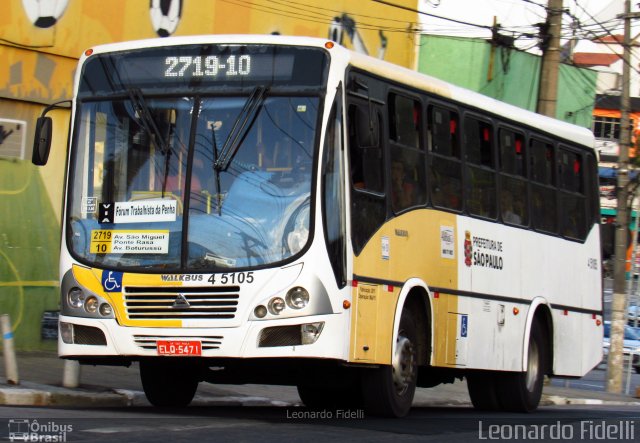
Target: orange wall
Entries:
(38, 66)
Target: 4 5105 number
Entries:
(234, 278)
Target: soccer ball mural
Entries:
(165, 16)
(44, 13)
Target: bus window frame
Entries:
(457, 160)
(553, 186)
(420, 150)
(467, 164)
(502, 125)
(581, 235)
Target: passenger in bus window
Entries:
(446, 191)
(507, 207)
(402, 191)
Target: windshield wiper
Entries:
(216, 171)
(148, 123)
(240, 128)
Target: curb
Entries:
(54, 396)
(559, 401)
(117, 398)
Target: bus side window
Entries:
(444, 131)
(368, 207)
(445, 169)
(543, 190)
(408, 178)
(481, 176)
(366, 153)
(572, 198)
(514, 201)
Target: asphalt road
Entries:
(273, 424)
(596, 380)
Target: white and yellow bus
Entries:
(282, 210)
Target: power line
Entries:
(607, 33)
(335, 11)
(406, 8)
(315, 17)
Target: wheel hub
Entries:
(403, 365)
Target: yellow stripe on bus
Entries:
(91, 279)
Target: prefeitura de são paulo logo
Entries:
(468, 248)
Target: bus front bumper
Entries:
(320, 336)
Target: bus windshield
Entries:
(192, 182)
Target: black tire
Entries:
(388, 390)
(330, 397)
(483, 391)
(521, 391)
(169, 382)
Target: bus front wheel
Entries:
(168, 382)
(388, 390)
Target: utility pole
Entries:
(618, 320)
(548, 85)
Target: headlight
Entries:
(105, 309)
(260, 311)
(91, 305)
(276, 305)
(76, 297)
(297, 298)
(299, 234)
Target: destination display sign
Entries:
(201, 66)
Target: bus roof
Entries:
(558, 128)
(396, 73)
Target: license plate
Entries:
(175, 347)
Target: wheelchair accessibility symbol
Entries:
(112, 281)
(464, 325)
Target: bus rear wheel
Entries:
(169, 382)
(388, 390)
(482, 390)
(513, 391)
(521, 391)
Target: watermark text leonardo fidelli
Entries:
(618, 430)
(341, 414)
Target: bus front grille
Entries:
(181, 302)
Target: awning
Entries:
(608, 172)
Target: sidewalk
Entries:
(103, 386)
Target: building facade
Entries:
(506, 74)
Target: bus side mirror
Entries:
(42, 141)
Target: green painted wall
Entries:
(512, 77)
(29, 249)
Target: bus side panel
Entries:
(577, 335)
(504, 264)
(418, 244)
